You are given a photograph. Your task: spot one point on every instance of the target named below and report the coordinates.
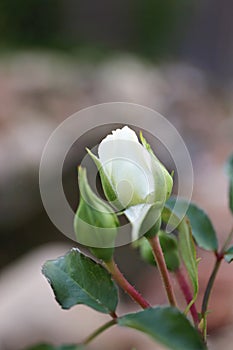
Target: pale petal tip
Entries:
(125, 133)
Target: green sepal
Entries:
(106, 184)
(154, 230)
(167, 176)
(95, 222)
(104, 254)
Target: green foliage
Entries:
(149, 219)
(30, 22)
(186, 247)
(77, 279)
(168, 178)
(188, 253)
(166, 325)
(169, 247)
(62, 347)
(95, 222)
(230, 174)
(42, 347)
(107, 187)
(158, 28)
(202, 228)
(152, 28)
(228, 255)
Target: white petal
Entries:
(122, 134)
(143, 217)
(136, 214)
(128, 164)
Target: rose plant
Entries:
(138, 186)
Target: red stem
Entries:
(125, 285)
(162, 267)
(187, 294)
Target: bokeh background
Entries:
(57, 57)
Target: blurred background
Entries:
(57, 57)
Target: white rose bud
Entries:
(133, 179)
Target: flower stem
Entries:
(208, 292)
(162, 267)
(187, 294)
(219, 258)
(99, 331)
(210, 285)
(125, 285)
(113, 315)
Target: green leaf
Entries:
(188, 253)
(202, 228)
(170, 249)
(228, 255)
(166, 325)
(51, 347)
(229, 169)
(77, 279)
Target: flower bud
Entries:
(133, 179)
(95, 222)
